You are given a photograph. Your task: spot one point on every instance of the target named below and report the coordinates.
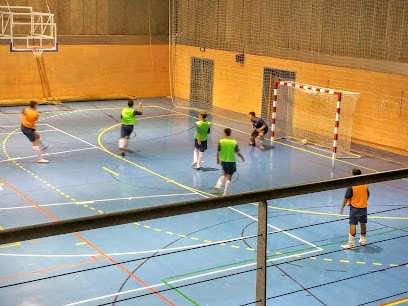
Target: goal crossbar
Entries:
(311, 89)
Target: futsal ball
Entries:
(304, 141)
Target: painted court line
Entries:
(49, 153)
(91, 245)
(110, 171)
(278, 230)
(175, 249)
(156, 286)
(101, 200)
(75, 137)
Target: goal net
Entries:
(225, 56)
(314, 116)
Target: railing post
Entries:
(261, 254)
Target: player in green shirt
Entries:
(227, 148)
(128, 118)
(200, 139)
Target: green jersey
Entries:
(129, 116)
(227, 148)
(203, 128)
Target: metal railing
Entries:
(168, 210)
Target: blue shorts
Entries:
(255, 133)
(28, 132)
(125, 130)
(201, 147)
(357, 215)
(229, 167)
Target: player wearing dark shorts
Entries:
(128, 117)
(357, 198)
(258, 128)
(200, 139)
(227, 149)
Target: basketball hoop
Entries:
(37, 52)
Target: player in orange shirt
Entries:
(29, 117)
(357, 198)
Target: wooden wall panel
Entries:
(76, 17)
(380, 116)
(62, 18)
(90, 15)
(102, 14)
(115, 10)
(80, 71)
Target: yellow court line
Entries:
(9, 245)
(397, 302)
(110, 171)
(144, 168)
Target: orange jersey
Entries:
(29, 117)
(360, 195)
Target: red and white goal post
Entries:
(304, 113)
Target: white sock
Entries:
(195, 155)
(220, 181)
(227, 186)
(122, 143)
(199, 159)
(37, 151)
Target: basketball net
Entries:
(37, 52)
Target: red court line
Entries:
(72, 265)
(52, 217)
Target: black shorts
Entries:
(126, 130)
(255, 133)
(201, 147)
(357, 215)
(28, 132)
(229, 167)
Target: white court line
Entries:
(54, 129)
(100, 200)
(20, 133)
(181, 248)
(201, 275)
(17, 126)
(34, 156)
(278, 230)
(317, 249)
(175, 281)
(77, 138)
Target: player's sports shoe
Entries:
(43, 161)
(251, 144)
(194, 164)
(262, 147)
(350, 243)
(362, 241)
(216, 191)
(225, 194)
(46, 149)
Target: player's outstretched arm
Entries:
(240, 155)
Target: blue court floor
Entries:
(205, 258)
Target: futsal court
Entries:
(205, 258)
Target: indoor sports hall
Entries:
(203, 258)
(93, 226)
